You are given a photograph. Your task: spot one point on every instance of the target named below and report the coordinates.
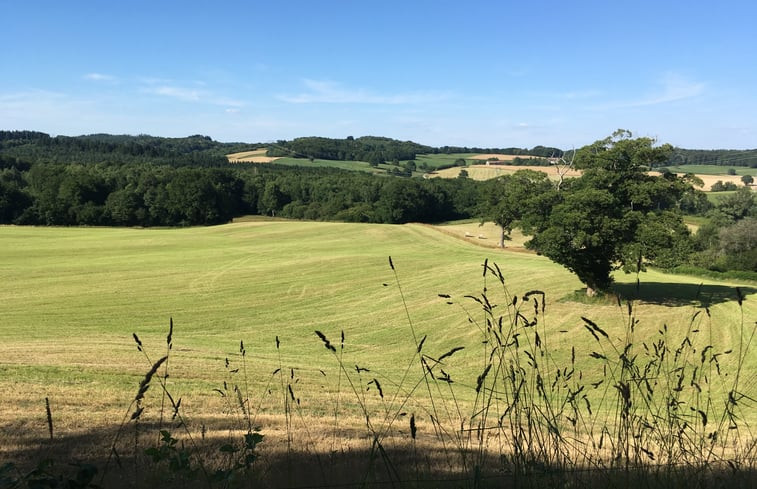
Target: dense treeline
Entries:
(161, 195)
(116, 149)
(375, 150)
(540, 151)
(719, 157)
(378, 150)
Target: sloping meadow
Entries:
(311, 336)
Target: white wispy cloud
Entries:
(185, 94)
(99, 77)
(570, 95)
(188, 94)
(672, 88)
(327, 92)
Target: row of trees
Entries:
(539, 151)
(720, 157)
(368, 148)
(116, 149)
(150, 195)
(379, 150)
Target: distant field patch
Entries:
(710, 179)
(343, 165)
(486, 172)
(484, 234)
(256, 156)
(499, 157)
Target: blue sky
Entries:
(473, 73)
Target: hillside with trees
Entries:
(379, 150)
(718, 157)
(39, 147)
(615, 216)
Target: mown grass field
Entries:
(72, 298)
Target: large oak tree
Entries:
(616, 215)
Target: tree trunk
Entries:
(502, 237)
(590, 292)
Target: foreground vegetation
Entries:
(79, 294)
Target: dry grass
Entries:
(256, 156)
(710, 180)
(486, 172)
(484, 234)
(500, 157)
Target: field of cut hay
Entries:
(486, 172)
(313, 333)
(256, 156)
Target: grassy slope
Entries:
(74, 296)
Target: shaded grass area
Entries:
(406, 465)
(680, 294)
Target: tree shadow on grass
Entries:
(678, 294)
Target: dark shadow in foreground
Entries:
(405, 466)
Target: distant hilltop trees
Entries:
(379, 150)
(38, 147)
(719, 157)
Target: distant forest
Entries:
(38, 147)
(148, 181)
(376, 150)
(719, 157)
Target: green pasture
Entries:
(72, 297)
(712, 169)
(435, 160)
(717, 197)
(342, 165)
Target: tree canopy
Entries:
(616, 215)
(516, 199)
